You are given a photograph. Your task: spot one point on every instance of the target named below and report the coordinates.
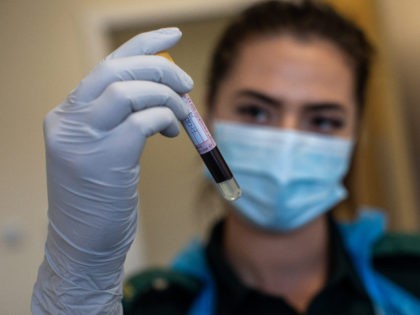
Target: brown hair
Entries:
(305, 19)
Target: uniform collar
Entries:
(232, 291)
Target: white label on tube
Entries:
(196, 129)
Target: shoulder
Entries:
(397, 257)
(159, 291)
(398, 244)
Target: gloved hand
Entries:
(93, 144)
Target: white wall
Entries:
(40, 62)
(44, 53)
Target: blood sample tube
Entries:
(207, 148)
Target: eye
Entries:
(326, 124)
(255, 114)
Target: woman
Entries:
(285, 96)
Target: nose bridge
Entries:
(290, 118)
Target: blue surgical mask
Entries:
(287, 177)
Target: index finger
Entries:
(148, 43)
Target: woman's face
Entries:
(286, 82)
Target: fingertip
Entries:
(153, 120)
(170, 31)
(188, 82)
(170, 34)
(148, 43)
(172, 130)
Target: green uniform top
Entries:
(162, 291)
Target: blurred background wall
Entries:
(47, 46)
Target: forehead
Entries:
(294, 69)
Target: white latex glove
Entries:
(93, 144)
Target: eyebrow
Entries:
(260, 97)
(309, 106)
(321, 106)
